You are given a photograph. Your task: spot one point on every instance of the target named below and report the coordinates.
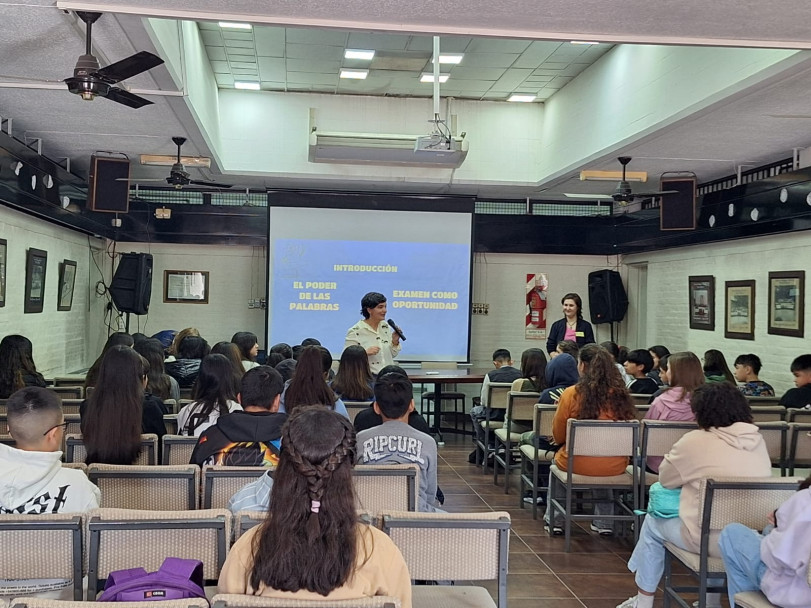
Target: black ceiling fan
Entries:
(90, 81)
(623, 192)
(179, 177)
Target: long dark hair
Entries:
(309, 537)
(353, 380)
(600, 387)
(157, 380)
(245, 342)
(16, 359)
(112, 421)
(716, 365)
(216, 384)
(231, 352)
(118, 338)
(533, 368)
(309, 386)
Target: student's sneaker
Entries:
(538, 501)
(556, 531)
(629, 603)
(713, 601)
(602, 531)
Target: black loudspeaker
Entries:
(109, 185)
(608, 301)
(131, 288)
(678, 210)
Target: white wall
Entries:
(236, 274)
(667, 298)
(64, 341)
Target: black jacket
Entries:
(558, 331)
(368, 418)
(185, 371)
(247, 439)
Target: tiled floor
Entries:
(541, 574)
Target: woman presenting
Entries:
(571, 326)
(372, 332)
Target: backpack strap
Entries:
(191, 569)
(121, 576)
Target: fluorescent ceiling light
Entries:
(522, 98)
(583, 42)
(359, 54)
(426, 77)
(231, 25)
(613, 176)
(451, 59)
(250, 86)
(356, 74)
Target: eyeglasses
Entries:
(64, 426)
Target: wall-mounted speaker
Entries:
(608, 301)
(131, 288)
(678, 210)
(109, 185)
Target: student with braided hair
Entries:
(311, 545)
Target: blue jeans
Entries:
(648, 558)
(740, 549)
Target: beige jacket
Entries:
(737, 450)
(381, 571)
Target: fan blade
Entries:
(126, 98)
(588, 196)
(651, 194)
(144, 179)
(195, 182)
(129, 67)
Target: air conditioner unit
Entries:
(387, 149)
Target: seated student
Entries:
(775, 562)
(214, 394)
(395, 442)
(284, 349)
(190, 354)
(800, 396)
(614, 350)
(569, 347)
(504, 372)
(230, 351)
(657, 352)
(368, 418)
(17, 369)
(533, 371)
(354, 380)
(248, 348)
(311, 545)
(250, 437)
(664, 376)
(33, 480)
(637, 365)
(308, 386)
(747, 368)
(158, 382)
(716, 368)
(118, 338)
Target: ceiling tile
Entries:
(447, 44)
(272, 69)
(216, 53)
(378, 42)
(271, 84)
(244, 65)
(494, 95)
(211, 38)
(316, 36)
(314, 79)
(468, 85)
(310, 65)
(559, 82)
(511, 79)
(465, 73)
(497, 45)
(539, 79)
(240, 54)
(314, 51)
(537, 52)
(245, 71)
(269, 41)
(239, 44)
(208, 25)
(488, 60)
(390, 60)
(224, 79)
(220, 67)
(554, 65)
(246, 36)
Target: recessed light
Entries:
(426, 77)
(359, 54)
(451, 59)
(231, 25)
(250, 86)
(356, 74)
(522, 98)
(583, 42)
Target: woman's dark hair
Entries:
(216, 385)
(157, 380)
(309, 386)
(370, 300)
(684, 370)
(245, 341)
(623, 354)
(719, 404)
(16, 361)
(353, 380)
(193, 347)
(311, 342)
(118, 338)
(309, 539)
(112, 421)
(274, 359)
(600, 388)
(392, 369)
(284, 349)
(231, 352)
(658, 350)
(533, 368)
(612, 348)
(578, 302)
(716, 365)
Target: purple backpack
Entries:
(176, 579)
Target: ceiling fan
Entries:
(90, 81)
(178, 176)
(623, 194)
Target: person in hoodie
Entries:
(251, 437)
(33, 480)
(684, 375)
(726, 444)
(775, 562)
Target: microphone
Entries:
(396, 329)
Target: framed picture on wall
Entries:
(67, 279)
(3, 252)
(739, 323)
(185, 286)
(787, 303)
(35, 265)
(702, 302)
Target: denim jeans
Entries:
(740, 549)
(648, 558)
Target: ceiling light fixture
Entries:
(451, 59)
(248, 86)
(359, 54)
(426, 77)
(583, 42)
(354, 74)
(231, 25)
(522, 98)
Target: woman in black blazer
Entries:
(572, 326)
